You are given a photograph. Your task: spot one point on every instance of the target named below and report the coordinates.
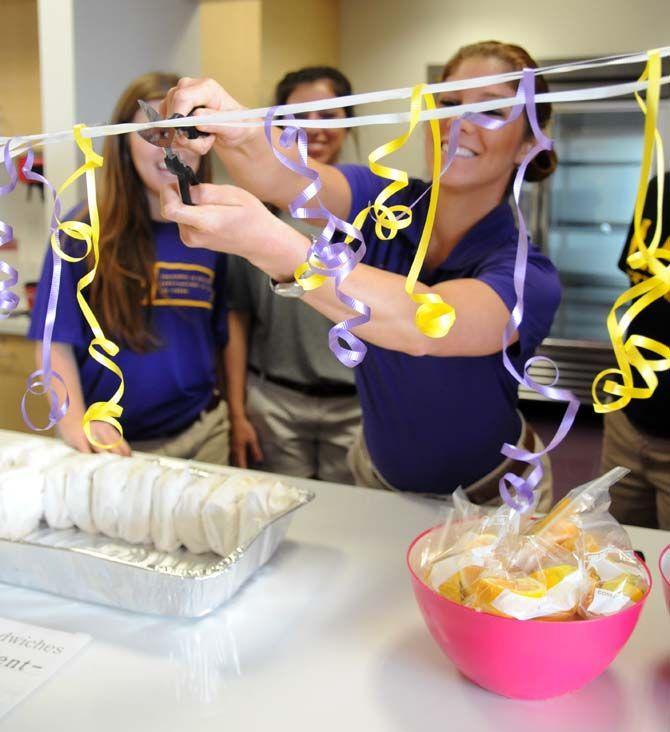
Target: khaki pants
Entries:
(206, 440)
(300, 435)
(642, 497)
(367, 475)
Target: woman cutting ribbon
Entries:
(164, 302)
(435, 410)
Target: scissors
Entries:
(164, 137)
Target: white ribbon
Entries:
(254, 117)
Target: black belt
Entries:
(214, 402)
(319, 389)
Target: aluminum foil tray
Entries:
(112, 572)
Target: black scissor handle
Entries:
(185, 176)
(191, 133)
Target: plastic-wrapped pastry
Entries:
(562, 524)
(188, 513)
(21, 502)
(253, 514)
(78, 488)
(17, 451)
(617, 581)
(575, 563)
(108, 493)
(221, 518)
(42, 457)
(134, 512)
(167, 491)
(519, 597)
(138, 500)
(454, 573)
(56, 479)
(281, 498)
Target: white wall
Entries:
(389, 43)
(89, 51)
(117, 41)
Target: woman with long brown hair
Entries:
(436, 411)
(162, 302)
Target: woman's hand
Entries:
(244, 442)
(72, 434)
(205, 97)
(229, 219)
(105, 434)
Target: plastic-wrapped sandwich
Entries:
(21, 505)
(78, 489)
(166, 494)
(575, 563)
(108, 493)
(134, 515)
(134, 499)
(56, 480)
(189, 513)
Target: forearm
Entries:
(253, 166)
(235, 362)
(480, 314)
(230, 219)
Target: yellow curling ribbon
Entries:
(645, 258)
(90, 233)
(434, 317)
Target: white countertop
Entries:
(327, 636)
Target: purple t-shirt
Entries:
(433, 423)
(167, 387)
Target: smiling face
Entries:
(149, 160)
(324, 145)
(485, 159)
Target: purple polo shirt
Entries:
(432, 423)
(167, 387)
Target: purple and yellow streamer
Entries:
(325, 257)
(39, 383)
(434, 317)
(523, 488)
(110, 410)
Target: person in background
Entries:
(638, 436)
(436, 411)
(162, 302)
(293, 407)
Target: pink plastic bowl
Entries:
(521, 659)
(664, 567)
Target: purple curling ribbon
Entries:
(8, 299)
(325, 257)
(39, 383)
(523, 499)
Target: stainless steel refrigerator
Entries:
(580, 217)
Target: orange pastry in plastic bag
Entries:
(498, 595)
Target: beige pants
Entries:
(300, 435)
(367, 475)
(642, 497)
(206, 440)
